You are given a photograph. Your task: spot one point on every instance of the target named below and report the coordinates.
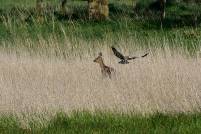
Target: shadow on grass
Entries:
(180, 16)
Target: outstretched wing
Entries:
(118, 54)
(145, 55)
(132, 58)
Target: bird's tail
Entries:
(144, 55)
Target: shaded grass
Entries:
(21, 3)
(103, 122)
(131, 32)
(19, 24)
(179, 31)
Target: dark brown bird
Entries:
(124, 59)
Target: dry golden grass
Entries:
(163, 81)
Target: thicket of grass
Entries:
(85, 123)
(127, 29)
(180, 28)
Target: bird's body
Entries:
(123, 62)
(125, 59)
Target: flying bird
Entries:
(124, 59)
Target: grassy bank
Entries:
(20, 23)
(48, 66)
(84, 122)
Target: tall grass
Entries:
(21, 23)
(50, 79)
(47, 67)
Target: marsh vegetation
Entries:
(47, 66)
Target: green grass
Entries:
(20, 23)
(85, 123)
(16, 22)
(21, 3)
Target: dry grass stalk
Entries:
(161, 82)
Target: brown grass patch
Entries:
(161, 82)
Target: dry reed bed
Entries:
(161, 82)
